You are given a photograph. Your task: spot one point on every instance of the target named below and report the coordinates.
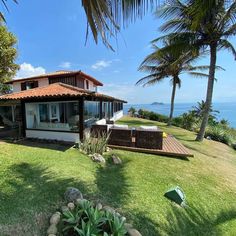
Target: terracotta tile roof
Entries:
(55, 90)
(59, 73)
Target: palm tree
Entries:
(165, 64)
(201, 25)
(105, 16)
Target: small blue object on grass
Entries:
(176, 195)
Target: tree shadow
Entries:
(112, 184)
(194, 221)
(144, 224)
(31, 193)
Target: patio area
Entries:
(171, 147)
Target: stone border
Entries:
(56, 217)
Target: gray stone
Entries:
(55, 218)
(109, 209)
(128, 226)
(64, 209)
(116, 160)
(99, 206)
(98, 158)
(134, 232)
(71, 206)
(52, 229)
(72, 194)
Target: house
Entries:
(58, 105)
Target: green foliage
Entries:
(88, 220)
(132, 111)
(91, 145)
(8, 54)
(219, 133)
(150, 115)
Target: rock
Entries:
(109, 209)
(64, 209)
(98, 158)
(55, 218)
(108, 149)
(52, 235)
(128, 226)
(116, 160)
(99, 206)
(79, 201)
(71, 206)
(52, 229)
(72, 194)
(208, 138)
(133, 232)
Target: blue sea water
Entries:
(227, 110)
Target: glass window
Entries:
(62, 116)
(91, 112)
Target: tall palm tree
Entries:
(165, 64)
(201, 25)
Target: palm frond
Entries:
(150, 80)
(199, 75)
(225, 44)
(105, 16)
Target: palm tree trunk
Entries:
(172, 103)
(210, 86)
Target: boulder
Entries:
(128, 226)
(133, 232)
(72, 194)
(98, 158)
(64, 209)
(71, 206)
(109, 209)
(116, 160)
(99, 206)
(55, 218)
(52, 229)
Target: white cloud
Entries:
(99, 65)
(27, 70)
(65, 65)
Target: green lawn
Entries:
(33, 180)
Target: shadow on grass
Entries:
(194, 221)
(31, 193)
(112, 184)
(58, 146)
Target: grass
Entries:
(34, 178)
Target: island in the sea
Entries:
(157, 103)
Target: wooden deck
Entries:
(171, 147)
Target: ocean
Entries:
(227, 110)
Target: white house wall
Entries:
(117, 115)
(53, 135)
(17, 85)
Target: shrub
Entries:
(85, 219)
(91, 145)
(219, 133)
(150, 115)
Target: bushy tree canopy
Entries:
(8, 54)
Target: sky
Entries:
(51, 36)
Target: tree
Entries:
(203, 26)
(168, 64)
(199, 109)
(8, 54)
(132, 111)
(105, 16)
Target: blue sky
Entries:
(51, 36)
